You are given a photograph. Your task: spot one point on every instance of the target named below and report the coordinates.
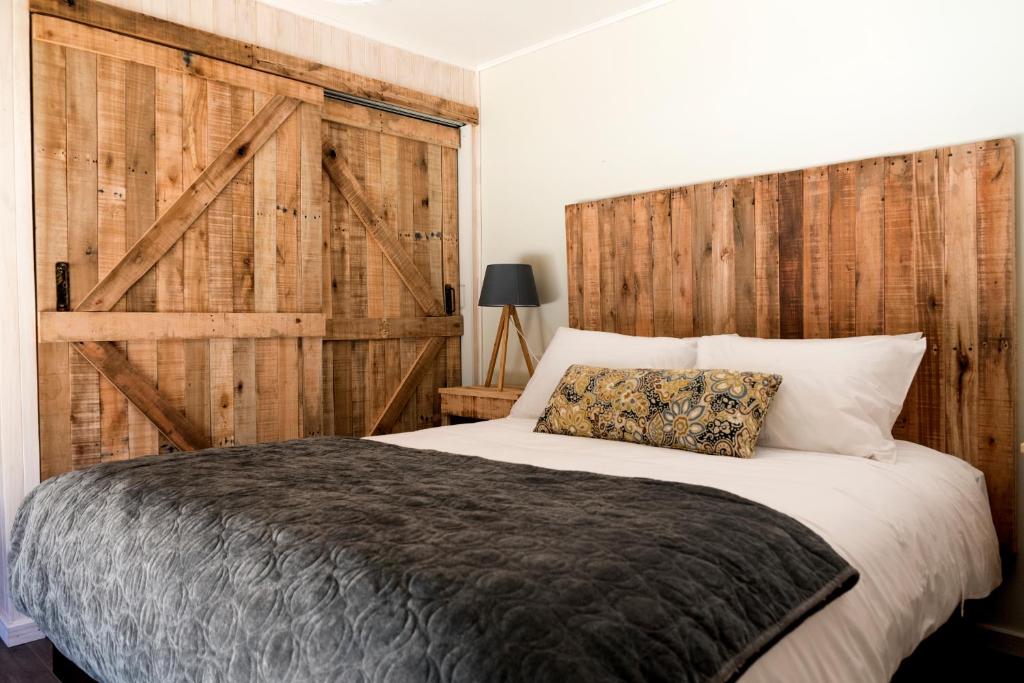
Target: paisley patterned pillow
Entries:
(718, 412)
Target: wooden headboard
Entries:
(921, 241)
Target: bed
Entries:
(331, 559)
(919, 531)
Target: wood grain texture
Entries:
(112, 236)
(477, 403)
(144, 139)
(141, 392)
(914, 242)
(339, 329)
(377, 228)
(156, 326)
(245, 54)
(72, 34)
(404, 391)
(997, 322)
(173, 223)
(450, 253)
(223, 322)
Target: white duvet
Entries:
(918, 529)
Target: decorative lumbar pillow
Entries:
(841, 395)
(718, 412)
(604, 349)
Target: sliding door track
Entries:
(393, 109)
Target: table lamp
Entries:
(508, 285)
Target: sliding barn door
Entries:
(179, 249)
(391, 254)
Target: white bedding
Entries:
(918, 529)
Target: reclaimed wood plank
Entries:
(997, 370)
(872, 256)
(704, 267)
(83, 224)
(744, 237)
(450, 245)
(112, 236)
(607, 258)
(622, 266)
(842, 252)
(268, 390)
(195, 156)
(816, 290)
(49, 125)
(791, 255)
(219, 214)
(402, 187)
(958, 204)
(900, 279)
(265, 224)
(170, 270)
(159, 326)
(140, 209)
(723, 259)
(641, 269)
(661, 248)
(330, 425)
(242, 213)
(766, 229)
(310, 260)
(287, 213)
(289, 377)
(222, 392)
(929, 263)
(683, 272)
(311, 387)
(140, 183)
(590, 263)
(243, 364)
(54, 410)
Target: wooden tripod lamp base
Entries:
(508, 315)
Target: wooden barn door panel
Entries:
(391, 247)
(172, 184)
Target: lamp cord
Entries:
(522, 336)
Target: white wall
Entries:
(700, 90)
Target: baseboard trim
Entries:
(19, 631)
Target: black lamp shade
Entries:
(509, 284)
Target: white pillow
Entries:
(602, 349)
(837, 395)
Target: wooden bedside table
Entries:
(476, 403)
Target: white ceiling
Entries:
(469, 33)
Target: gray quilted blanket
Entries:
(347, 560)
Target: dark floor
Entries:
(958, 652)
(952, 654)
(29, 663)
